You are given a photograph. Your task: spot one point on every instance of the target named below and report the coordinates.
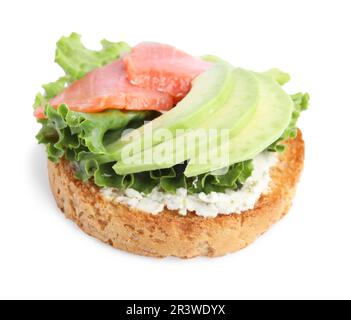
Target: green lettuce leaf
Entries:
(82, 132)
(76, 61)
(100, 130)
(39, 101)
(279, 76)
(301, 101)
(52, 89)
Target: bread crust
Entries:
(170, 234)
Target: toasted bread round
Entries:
(168, 233)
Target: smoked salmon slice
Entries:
(163, 68)
(109, 88)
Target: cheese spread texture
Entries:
(206, 205)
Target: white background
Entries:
(307, 255)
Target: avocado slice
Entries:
(210, 90)
(233, 115)
(272, 116)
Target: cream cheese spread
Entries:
(206, 205)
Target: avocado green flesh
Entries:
(272, 116)
(210, 90)
(232, 115)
